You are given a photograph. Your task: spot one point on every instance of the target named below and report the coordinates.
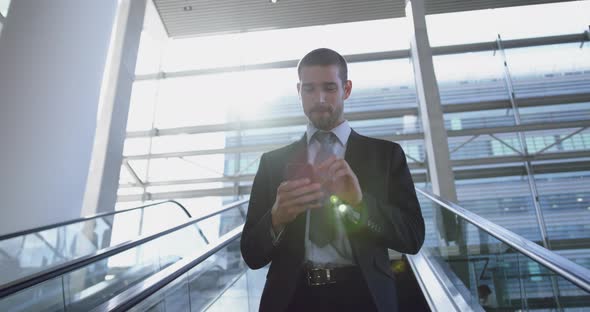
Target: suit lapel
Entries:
(354, 158)
(353, 149)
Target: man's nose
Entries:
(320, 97)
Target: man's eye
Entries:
(331, 88)
(307, 89)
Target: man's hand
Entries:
(293, 198)
(341, 180)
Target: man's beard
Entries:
(326, 122)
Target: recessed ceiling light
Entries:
(274, 1)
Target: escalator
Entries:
(29, 252)
(479, 267)
(483, 266)
(84, 281)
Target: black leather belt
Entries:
(324, 276)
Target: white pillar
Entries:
(52, 57)
(107, 155)
(436, 143)
(435, 134)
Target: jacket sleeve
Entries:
(256, 242)
(397, 221)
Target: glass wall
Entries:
(491, 141)
(198, 123)
(201, 130)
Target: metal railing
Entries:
(88, 218)
(141, 291)
(564, 267)
(70, 266)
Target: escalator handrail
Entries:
(72, 265)
(573, 272)
(142, 290)
(88, 218)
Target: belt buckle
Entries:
(319, 277)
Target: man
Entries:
(322, 258)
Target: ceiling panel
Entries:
(204, 17)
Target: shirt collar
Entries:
(342, 132)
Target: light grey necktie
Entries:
(321, 224)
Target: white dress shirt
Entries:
(337, 253)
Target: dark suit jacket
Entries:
(390, 218)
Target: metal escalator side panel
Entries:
(437, 286)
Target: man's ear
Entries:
(347, 89)
(299, 89)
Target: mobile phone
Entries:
(295, 171)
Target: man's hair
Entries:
(324, 57)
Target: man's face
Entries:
(322, 95)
